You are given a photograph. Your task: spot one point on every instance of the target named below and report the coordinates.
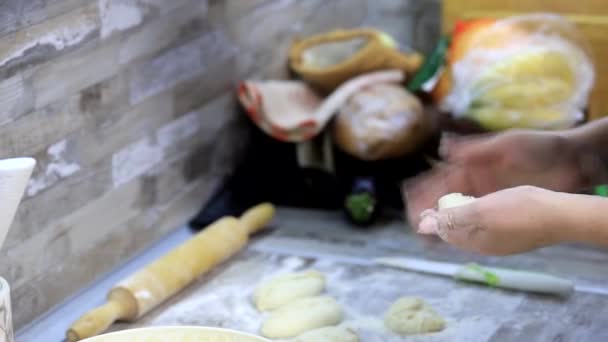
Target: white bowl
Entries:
(177, 334)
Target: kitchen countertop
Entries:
(222, 298)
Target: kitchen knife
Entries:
(491, 276)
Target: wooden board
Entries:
(590, 16)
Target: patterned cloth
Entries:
(282, 109)
(291, 111)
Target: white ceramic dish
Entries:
(6, 322)
(14, 175)
(177, 334)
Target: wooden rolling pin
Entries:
(133, 297)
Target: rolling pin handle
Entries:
(257, 217)
(95, 321)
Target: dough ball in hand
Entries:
(301, 316)
(287, 288)
(454, 200)
(411, 315)
(328, 334)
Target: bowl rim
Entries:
(178, 327)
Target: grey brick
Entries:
(179, 64)
(208, 86)
(93, 63)
(17, 98)
(277, 23)
(9, 15)
(181, 23)
(118, 15)
(229, 147)
(226, 137)
(414, 24)
(52, 9)
(32, 132)
(106, 101)
(58, 165)
(329, 15)
(66, 196)
(169, 142)
(229, 10)
(164, 6)
(91, 150)
(135, 159)
(266, 29)
(44, 41)
(19, 14)
(72, 234)
(99, 142)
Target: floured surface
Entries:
(472, 313)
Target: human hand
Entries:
(506, 222)
(481, 165)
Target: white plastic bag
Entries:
(531, 71)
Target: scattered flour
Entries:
(223, 299)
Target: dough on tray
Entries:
(411, 315)
(288, 287)
(301, 316)
(328, 334)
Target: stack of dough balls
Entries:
(299, 309)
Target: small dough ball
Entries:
(328, 334)
(454, 200)
(302, 315)
(411, 315)
(288, 287)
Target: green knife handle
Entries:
(516, 280)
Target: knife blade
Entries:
(507, 278)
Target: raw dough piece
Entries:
(454, 200)
(328, 334)
(411, 315)
(287, 288)
(302, 315)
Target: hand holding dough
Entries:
(328, 334)
(302, 315)
(288, 287)
(411, 315)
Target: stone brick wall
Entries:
(127, 105)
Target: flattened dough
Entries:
(411, 315)
(328, 334)
(287, 288)
(301, 316)
(454, 200)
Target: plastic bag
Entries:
(531, 71)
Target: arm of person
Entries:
(563, 161)
(520, 219)
(585, 219)
(592, 140)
